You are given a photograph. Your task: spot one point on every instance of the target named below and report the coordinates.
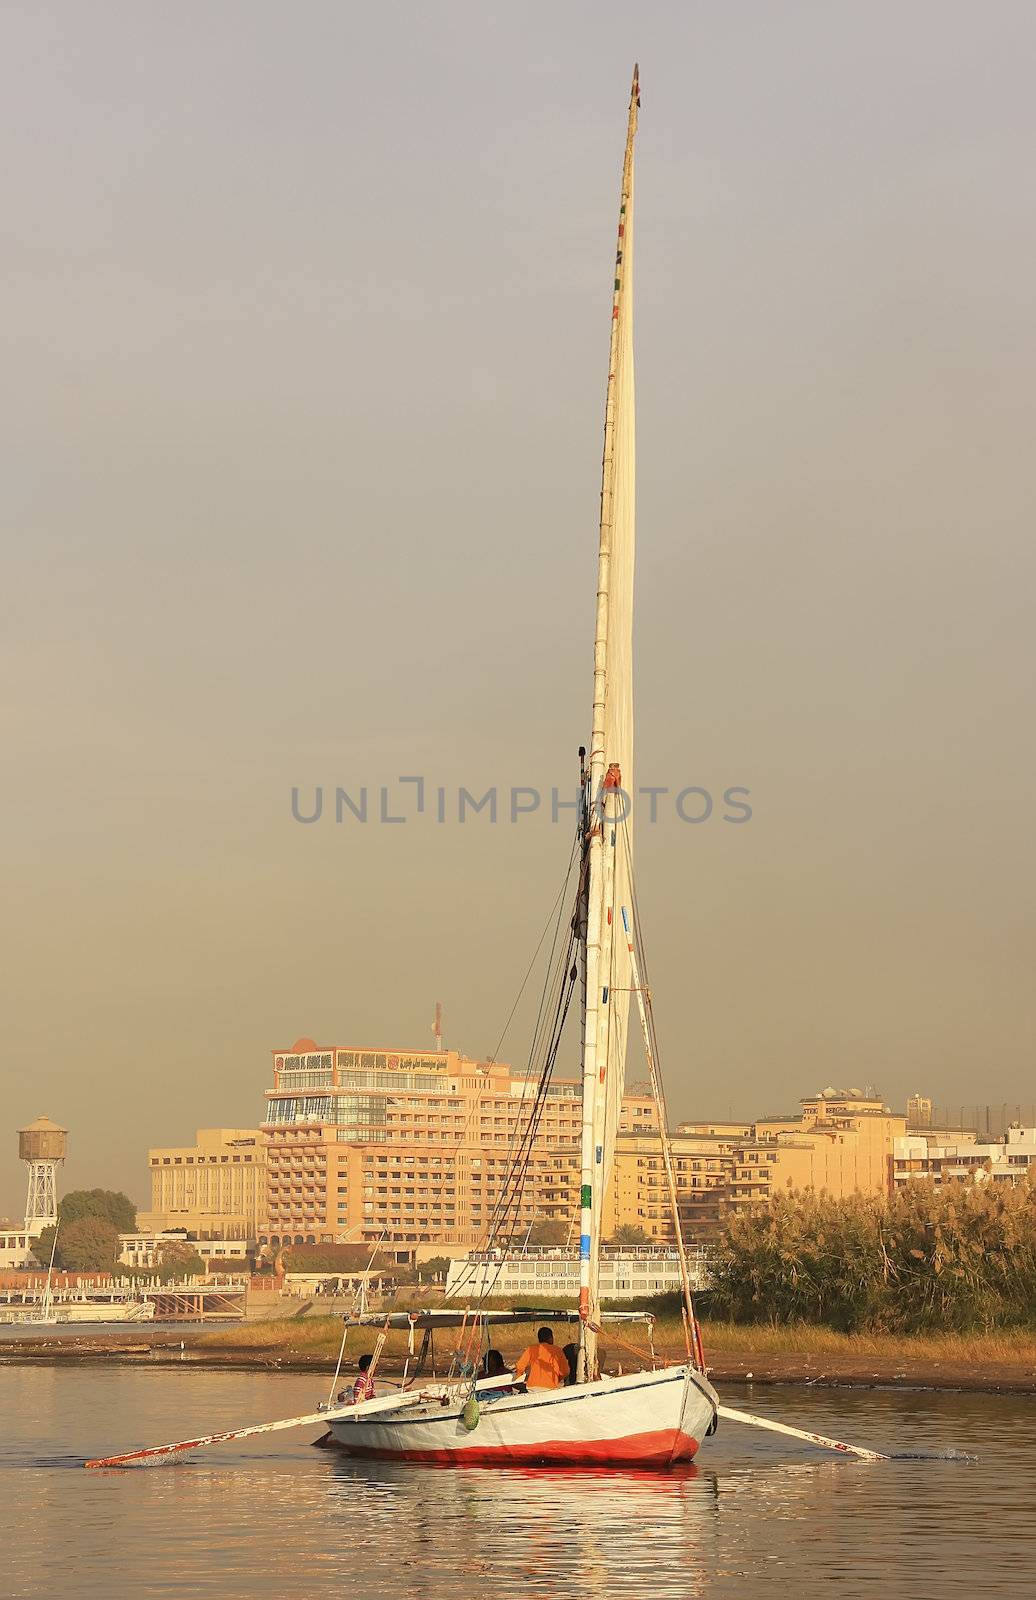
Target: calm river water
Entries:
(273, 1517)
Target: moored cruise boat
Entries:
(53, 1311)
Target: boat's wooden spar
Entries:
(155, 1454)
(730, 1415)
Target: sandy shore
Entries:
(1007, 1374)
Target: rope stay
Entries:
(638, 965)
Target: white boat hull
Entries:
(644, 1419)
(105, 1311)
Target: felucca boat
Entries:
(660, 1415)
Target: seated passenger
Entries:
(363, 1388)
(544, 1366)
(494, 1366)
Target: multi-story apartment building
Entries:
(962, 1158)
(841, 1144)
(215, 1188)
(410, 1150)
(638, 1195)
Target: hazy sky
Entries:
(304, 333)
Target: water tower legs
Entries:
(41, 1206)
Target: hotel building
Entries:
(409, 1150)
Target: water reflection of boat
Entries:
(659, 1416)
(601, 1531)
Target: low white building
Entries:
(145, 1249)
(15, 1247)
(544, 1272)
(1004, 1160)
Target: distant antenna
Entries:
(437, 1027)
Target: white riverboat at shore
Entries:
(59, 1312)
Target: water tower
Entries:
(42, 1146)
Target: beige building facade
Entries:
(638, 1195)
(214, 1188)
(15, 1246)
(410, 1151)
(842, 1143)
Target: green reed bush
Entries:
(960, 1258)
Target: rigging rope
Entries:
(507, 1213)
(692, 1328)
(545, 1042)
(451, 1158)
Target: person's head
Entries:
(495, 1367)
(544, 1336)
(364, 1362)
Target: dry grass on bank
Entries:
(316, 1338)
(799, 1339)
(309, 1336)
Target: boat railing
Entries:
(565, 1253)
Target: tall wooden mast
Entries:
(606, 966)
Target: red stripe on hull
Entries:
(661, 1449)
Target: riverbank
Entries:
(1003, 1363)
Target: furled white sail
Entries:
(618, 539)
(607, 988)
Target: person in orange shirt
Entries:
(544, 1366)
